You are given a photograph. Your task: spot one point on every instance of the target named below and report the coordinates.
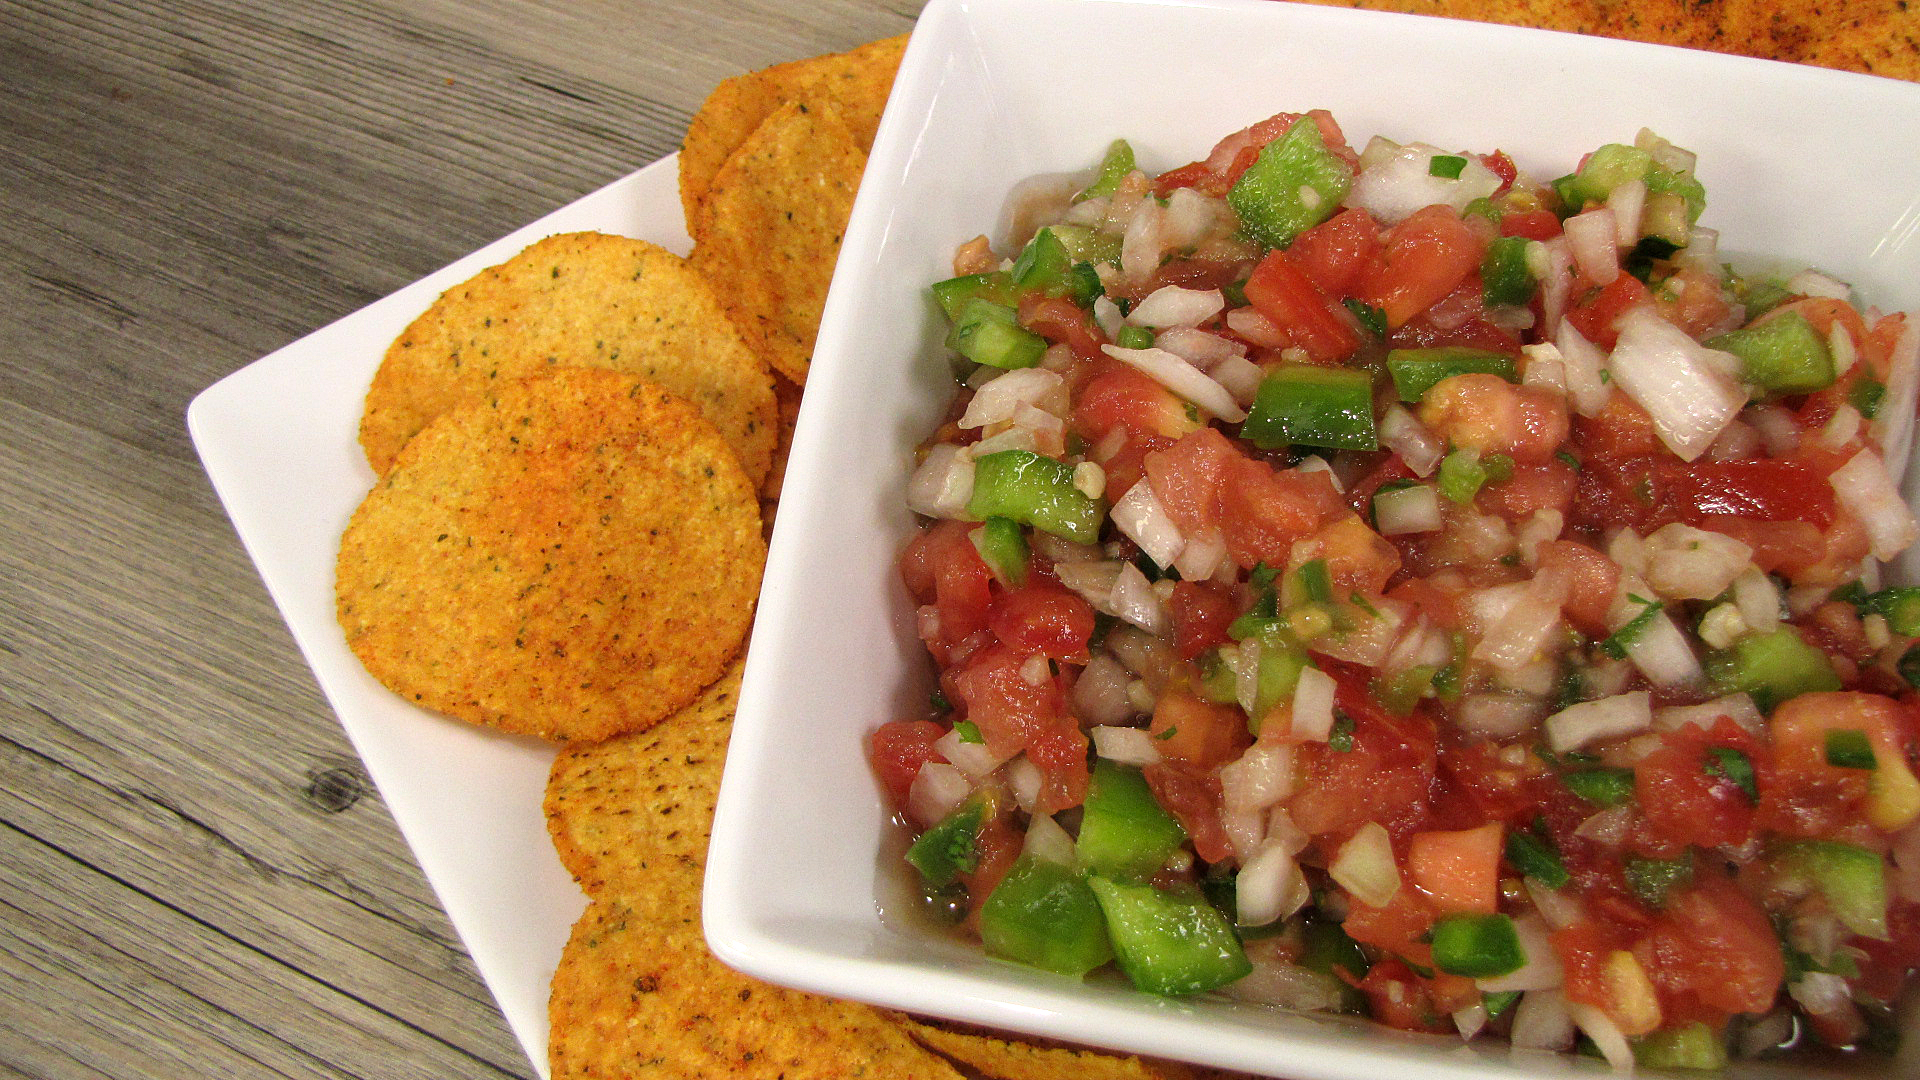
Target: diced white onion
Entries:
(1577, 725)
(1864, 487)
(1544, 368)
(1683, 385)
(1140, 516)
(1173, 305)
(1143, 241)
(1893, 422)
(1591, 236)
(1201, 556)
(1758, 599)
(1526, 627)
(1269, 887)
(1289, 986)
(1470, 1020)
(1100, 693)
(1107, 315)
(1605, 1034)
(972, 758)
(1048, 842)
(1126, 745)
(1673, 157)
(1402, 433)
(943, 484)
(1541, 971)
(1182, 378)
(1541, 1021)
(1364, 866)
(1558, 907)
(1000, 398)
(1259, 778)
(1240, 376)
(1737, 707)
(1814, 283)
(1199, 348)
(1694, 564)
(1135, 601)
(1093, 580)
(1189, 216)
(1609, 826)
(1313, 705)
(1628, 201)
(1406, 510)
(1584, 365)
(1658, 649)
(1249, 323)
(937, 788)
(1013, 438)
(1552, 264)
(1370, 635)
(1397, 184)
(1498, 716)
(1840, 429)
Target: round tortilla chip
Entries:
(768, 232)
(857, 82)
(611, 805)
(580, 300)
(570, 557)
(1004, 1057)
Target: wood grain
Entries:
(198, 881)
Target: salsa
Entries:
(1383, 582)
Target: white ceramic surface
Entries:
(1808, 164)
(278, 439)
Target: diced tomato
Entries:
(1387, 776)
(1532, 487)
(1686, 789)
(1205, 482)
(1501, 166)
(1889, 962)
(1488, 786)
(1458, 870)
(1595, 315)
(1061, 320)
(1281, 290)
(1487, 413)
(898, 749)
(1193, 798)
(1425, 257)
(1532, 224)
(1583, 949)
(1593, 580)
(1193, 175)
(1647, 494)
(1401, 999)
(1121, 396)
(1234, 154)
(1810, 796)
(1201, 613)
(1338, 252)
(995, 846)
(1620, 431)
(1691, 299)
(1712, 949)
(1198, 733)
(1043, 617)
(941, 567)
(1391, 468)
(1397, 928)
(1016, 715)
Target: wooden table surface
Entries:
(198, 881)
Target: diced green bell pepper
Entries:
(1601, 786)
(1505, 277)
(1866, 394)
(1003, 547)
(1281, 659)
(1312, 406)
(1535, 857)
(1086, 244)
(1045, 915)
(1784, 355)
(1461, 476)
(1400, 693)
(1901, 607)
(955, 293)
(1853, 879)
(949, 846)
(1124, 832)
(1848, 748)
(1416, 371)
(1326, 948)
(1134, 337)
(1477, 946)
(1295, 184)
(1037, 491)
(1614, 164)
(1042, 264)
(1771, 667)
(1167, 941)
(1651, 880)
(1114, 167)
(1689, 1046)
(990, 333)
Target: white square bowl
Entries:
(803, 880)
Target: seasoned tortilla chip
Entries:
(570, 556)
(1879, 37)
(1007, 1058)
(610, 805)
(579, 299)
(855, 82)
(769, 229)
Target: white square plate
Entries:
(1809, 164)
(279, 440)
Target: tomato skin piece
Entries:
(1712, 953)
(1686, 804)
(1338, 252)
(1043, 617)
(941, 567)
(1426, 256)
(898, 749)
(1202, 612)
(1282, 290)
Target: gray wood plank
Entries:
(198, 883)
